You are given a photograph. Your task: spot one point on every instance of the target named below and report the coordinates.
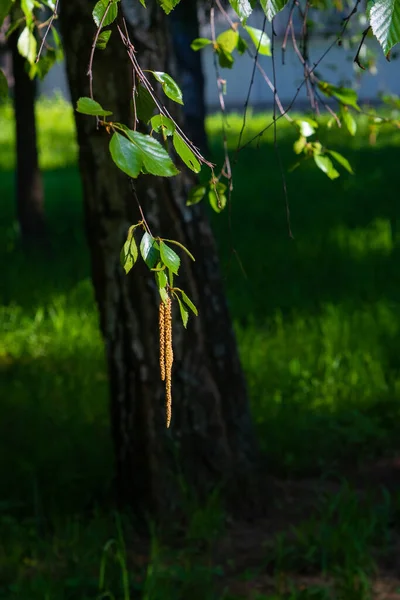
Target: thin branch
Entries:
(357, 56)
(140, 206)
(276, 146)
(287, 29)
(53, 16)
(96, 37)
(227, 162)
(246, 104)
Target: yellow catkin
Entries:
(161, 325)
(169, 357)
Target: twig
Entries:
(357, 56)
(246, 104)
(276, 146)
(96, 37)
(53, 16)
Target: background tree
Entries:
(29, 186)
(211, 440)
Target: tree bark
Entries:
(211, 440)
(29, 186)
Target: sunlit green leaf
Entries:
(27, 45)
(129, 252)
(126, 155)
(349, 121)
(341, 160)
(162, 124)
(307, 126)
(189, 303)
(228, 40)
(242, 8)
(169, 86)
(200, 43)
(384, 16)
(169, 257)
(168, 5)
(325, 164)
(299, 145)
(156, 159)
(87, 106)
(99, 10)
(183, 310)
(185, 153)
(260, 40)
(161, 279)
(149, 250)
(272, 7)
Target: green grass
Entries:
(318, 325)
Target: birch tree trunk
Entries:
(211, 440)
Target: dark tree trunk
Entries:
(211, 439)
(29, 186)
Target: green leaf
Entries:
(196, 194)
(27, 45)
(169, 258)
(307, 126)
(99, 10)
(184, 311)
(341, 160)
(349, 121)
(228, 40)
(241, 45)
(325, 164)
(129, 252)
(102, 40)
(156, 159)
(149, 250)
(87, 106)
(162, 124)
(163, 294)
(384, 16)
(272, 7)
(242, 8)
(3, 86)
(181, 246)
(260, 40)
(5, 7)
(200, 43)
(224, 58)
(27, 7)
(299, 145)
(161, 279)
(145, 104)
(127, 156)
(189, 303)
(344, 95)
(217, 200)
(169, 86)
(185, 153)
(168, 5)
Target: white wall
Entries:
(337, 68)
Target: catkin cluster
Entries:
(166, 353)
